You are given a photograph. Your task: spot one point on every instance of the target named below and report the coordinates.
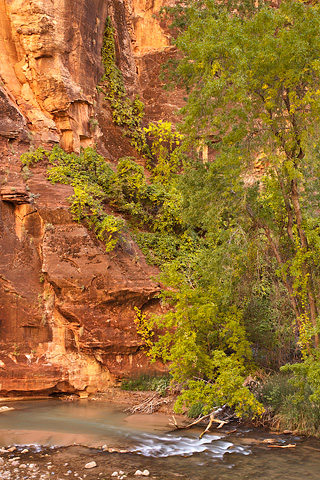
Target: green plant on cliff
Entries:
(151, 207)
(90, 176)
(126, 113)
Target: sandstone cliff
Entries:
(66, 306)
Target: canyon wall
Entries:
(66, 305)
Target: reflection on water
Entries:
(60, 423)
(218, 456)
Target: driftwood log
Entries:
(153, 402)
(210, 417)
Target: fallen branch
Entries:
(290, 445)
(208, 426)
(213, 420)
(178, 427)
(211, 416)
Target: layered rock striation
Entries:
(66, 305)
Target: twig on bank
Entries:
(290, 445)
(150, 405)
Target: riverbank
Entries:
(145, 446)
(130, 399)
(76, 462)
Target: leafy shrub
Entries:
(293, 407)
(90, 176)
(302, 416)
(165, 158)
(125, 112)
(274, 391)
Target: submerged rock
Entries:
(145, 473)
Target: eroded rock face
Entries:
(12, 122)
(66, 305)
(50, 65)
(48, 48)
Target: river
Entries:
(220, 455)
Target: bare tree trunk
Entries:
(276, 252)
(307, 271)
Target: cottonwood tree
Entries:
(255, 95)
(253, 81)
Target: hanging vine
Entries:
(126, 113)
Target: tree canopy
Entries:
(253, 97)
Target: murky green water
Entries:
(218, 456)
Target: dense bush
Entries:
(292, 407)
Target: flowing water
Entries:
(218, 455)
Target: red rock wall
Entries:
(67, 306)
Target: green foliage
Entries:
(306, 377)
(203, 339)
(251, 74)
(153, 206)
(268, 316)
(165, 158)
(291, 397)
(125, 112)
(30, 158)
(147, 381)
(162, 248)
(143, 327)
(196, 410)
(302, 417)
(227, 389)
(274, 391)
(254, 94)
